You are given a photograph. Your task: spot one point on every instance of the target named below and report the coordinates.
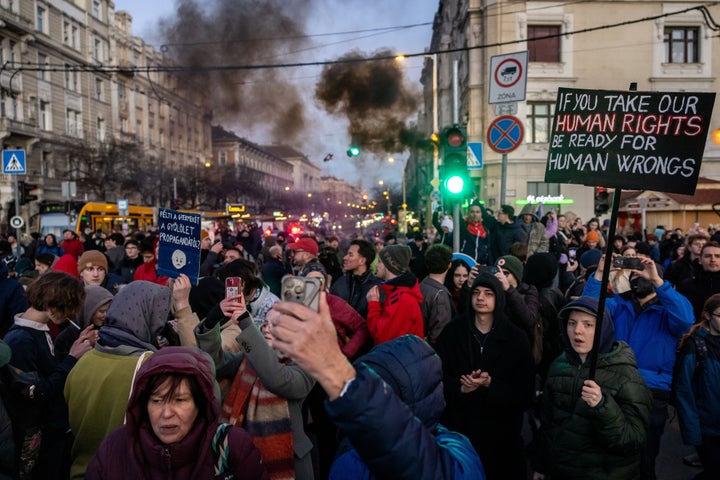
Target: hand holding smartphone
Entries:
(233, 286)
(303, 290)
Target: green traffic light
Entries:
(353, 151)
(455, 184)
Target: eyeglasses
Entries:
(298, 251)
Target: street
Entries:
(669, 464)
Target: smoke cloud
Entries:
(241, 32)
(374, 98)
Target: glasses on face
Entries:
(295, 252)
(131, 248)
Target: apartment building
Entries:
(661, 46)
(75, 83)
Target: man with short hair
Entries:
(399, 314)
(474, 236)
(504, 230)
(130, 262)
(273, 269)
(114, 249)
(357, 278)
(304, 252)
(707, 282)
(437, 304)
(688, 266)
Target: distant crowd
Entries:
(401, 358)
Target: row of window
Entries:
(682, 44)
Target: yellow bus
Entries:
(105, 217)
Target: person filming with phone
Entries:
(651, 318)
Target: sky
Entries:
(324, 20)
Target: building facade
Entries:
(584, 45)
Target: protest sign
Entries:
(629, 139)
(179, 244)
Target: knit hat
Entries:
(448, 223)
(512, 264)
(92, 258)
(540, 269)
(592, 236)
(204, 234)
(396, 258)
(590, 258)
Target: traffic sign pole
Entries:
(17, 199)
(503, 178)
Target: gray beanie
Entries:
(396, 258)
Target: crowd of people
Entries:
(415, 362)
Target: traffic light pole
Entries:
(17, 200)
(456, 226)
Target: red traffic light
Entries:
(455, 138)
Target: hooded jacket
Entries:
(394, 432)
(399, 313)
(491, 417)
(653, 332)
(12, 299)
(534, 233)
(603, 442)
(133, 450)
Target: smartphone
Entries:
(630, 263)
(303, 290)
(233, 286)
(491, 269)
(572, 255)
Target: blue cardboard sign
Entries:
(179, 244)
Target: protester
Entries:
(696, 384)
(707, 282)
(592, 428)
(357, 280)
(393, 432)
(95, 307)
(474, 237)
(399, 313)
(172, 426)
(437, 306)
(455, 280)
(488, 379)
(98, 387)
(93, 270)
(40, 425)
(533, 230)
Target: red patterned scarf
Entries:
(476, 229)
(266, 417)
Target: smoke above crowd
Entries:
(371, 95)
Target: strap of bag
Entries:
(140, 361)
(220, 448)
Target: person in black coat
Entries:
(488, 377)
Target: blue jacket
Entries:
(697, 389)
(12, 299)
(653, 333)
(392, 427)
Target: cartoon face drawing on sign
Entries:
(178, 259)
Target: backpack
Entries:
(701, 354)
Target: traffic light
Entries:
(453, 151)
(27, 192)
(602, 200)
(353, 151)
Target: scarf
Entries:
(476, 229)
(266, 417)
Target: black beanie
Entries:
(540, 269)
(396, 258)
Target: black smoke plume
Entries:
(374, 98)
(212, 33)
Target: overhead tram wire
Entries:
(226, 68)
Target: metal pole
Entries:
(503, 178)
(456, 227)
(456, 94)
(17, 201)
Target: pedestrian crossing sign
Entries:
(474, 157)
(14, 162)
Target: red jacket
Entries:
(352, 330)
(400, 313)
(148, 271)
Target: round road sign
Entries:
(508, 72)
(17, 222)
(505, 134)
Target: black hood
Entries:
(588, 305)
(488, 280)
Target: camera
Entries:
(630, 263)
(572, 256)
(303, 290)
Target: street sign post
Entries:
(508, 77)
(14, 162)
(505, 134)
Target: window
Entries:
(223, 158)
(11, 52)
(73, 123)
(72, 79)
(96, 9)
(121, 91)
(546, 49)
(42, 65)
(45, 116)
(539, 119)
(100, 130)
(71, 34)
(681, 44)
(41, 22)
(99, 93)
(538, 189)
(97, 50)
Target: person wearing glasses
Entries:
(304, 251)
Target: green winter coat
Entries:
(595, 443)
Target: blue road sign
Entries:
(475, 156)
(14, 162)
(505, 134)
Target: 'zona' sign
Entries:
(633, 140)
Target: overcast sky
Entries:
(326, 17)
